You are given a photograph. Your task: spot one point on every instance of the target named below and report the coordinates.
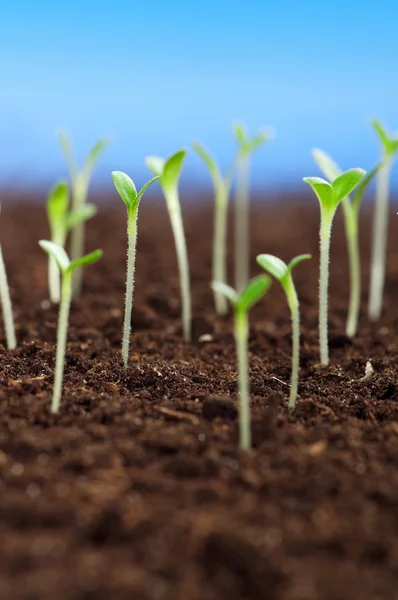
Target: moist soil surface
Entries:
(137, 488)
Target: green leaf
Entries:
(210, 164)
(260, 139)
(362, 187)
(57, 253)
(393, 146)
(345, 183)
(68, 153)
(328, 167)
(87, 259)
(57, 204)
(323, 191)
(80, 215)
(155, 164)
(381, 133)
(125, 187)
(273, 265)
(253, 292)
(240, 133)
(145, 187)
(93, 156)
(297, 260)
(172, 170)
(226, 290)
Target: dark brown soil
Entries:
(137, 490)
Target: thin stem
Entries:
(241, 340)
(6, 306)
(294, 311)
(355, 276)
(61, 340)
(325, 233)
(54, 276)
(220, 246)
(131, 252)
(242, 236)
(379, 243)
(77, 233)
(174, 208)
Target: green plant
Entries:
(242, 302)
(6, 306)
(169, 172)
(66, 267)
(329, 195)
(351, 221)
(246, 147)
(128, 193)
(283, 273)
(80, 181)
(61, 221)
(389, 145)
(221, 186)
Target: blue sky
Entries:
(155, 76)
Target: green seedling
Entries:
(62, 221)
(128, 193)
(329, 195)
(389, 145)
(351, 210)
(80, 181)
(169, 172)
(222, 187)
(283, 273)
(6, 306)
(242, 302)
(246, 147)
(66, 266)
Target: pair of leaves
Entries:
(167, 170)
(63, 261)
(245, 143)
(127, 190)
(58, 212)
(250, 295)
(90, 161)
(331, 171)
(279, 269)
(388, 142)
(331, 194)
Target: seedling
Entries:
(62, 221)
(221, 186)
(169, 172)
(80, 180)
(246, 147)
(329, 195)
(6, 306)
(66, 267)
(242, 302)
(389, 145)
(351, 220)
(283, 273)
(128, 193)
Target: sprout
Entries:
(169, 171)
(246, 147)
(62, 221)
(351, 219)
(380, 223)
(329, 195)
(222, 186)
(283, 273)
(80, 180)
(242, 303)
(6, 306)
(128, 193)
(66, 267)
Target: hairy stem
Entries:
(61, 340)
(220, 246)
(294, 311)
(241, 340)
(379, 243)
(6, 306)
(131, 252)
(242, 236)
(325, 233)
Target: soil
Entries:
(137, 489)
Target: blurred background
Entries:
(155, 76)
